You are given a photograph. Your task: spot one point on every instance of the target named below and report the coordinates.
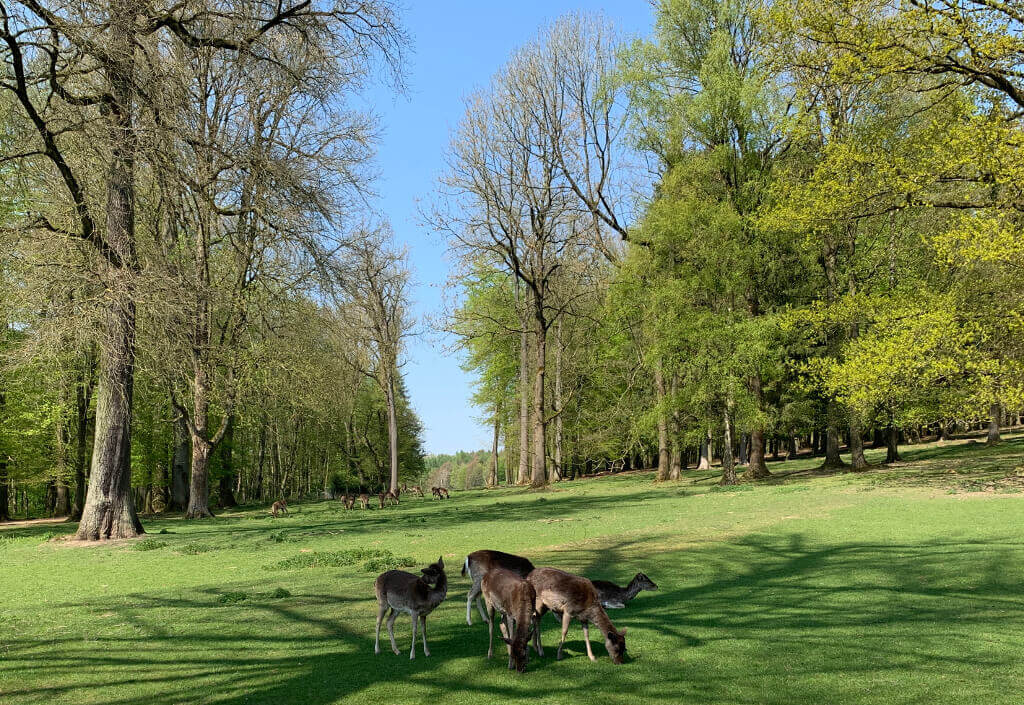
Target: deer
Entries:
(514, 597)
(386, 497)
(415, 489)
(364, 499)
(415, 595)
(350, 501)
(279, 506)
(615, 598)
(479, 563)
(575, 596)
(440, 492)
(435, 492)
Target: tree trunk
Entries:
(199, 491)
(892, 451)
(705, 453)
(83, 400)
(757, 468)
(558, 402)
(832, 457)
(664, 458)
(392, 429)
(995, 419)
(225, 491)
(180, 466)
(492, 477)
(109, 512)
(5, 498)
(539, 475)
(857, 459)
(524, 403)
(728, 466)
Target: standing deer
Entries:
(350, 501)
(479, 563)
(417, 596)
(364, 499)
(279, 506)
(575, 596)
(508, 593)
(415, 489)
(614, 597)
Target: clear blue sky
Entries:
(457, 46)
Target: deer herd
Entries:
(510, 587)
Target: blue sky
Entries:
(457, 46)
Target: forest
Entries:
(766, 228)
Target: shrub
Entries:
(280, 592)
(232, 598)
(193, 547)
(337, 559)
(379, 564)
(149, 545)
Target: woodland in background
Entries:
(770, 227)
(197, 310)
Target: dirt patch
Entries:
(31, 522)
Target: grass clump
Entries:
(232, 598)
(193, 548)
(379, 564)
(150, 545)
(373, 557)
(280, 592)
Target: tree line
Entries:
(769, 226)
(197, 307)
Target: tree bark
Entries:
(664, 458)
(995, 419)
(393, 428)
(524, 403)
(492, 477)
(539, 474)
(857, 459)
(5, 495)
(225, 491)
(109, 512)
(83, 401)
(558, 402)
(892, 451)
(757, 468)
(705, 453)
(728, 466)
(199, 490)
(832, 457)
(180, 466)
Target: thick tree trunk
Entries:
(199, 490)
(5, 496)
(83, 400)
(857, 459)
(62, 503)
(225, 488)
(180, 466)
(995, 420)
(109, 512)
(705, 453)
(539, 474)
(832, 457)
(892, 451)
(757, 468)
(664, 457)
(728, 466)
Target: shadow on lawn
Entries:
(727, 617)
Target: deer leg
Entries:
(391, 631)
(490, 633)
(415, 621)
(538, 618)
(423, 632)
(382, 609)
(474, 592)
(566, 618)
(586, 640)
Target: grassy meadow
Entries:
(898, 585)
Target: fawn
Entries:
(614, 597)
(417, 596)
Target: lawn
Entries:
(899, 585)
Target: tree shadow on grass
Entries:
(818, 617)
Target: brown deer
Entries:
(279, 506)
(417, 596)
(386, 497)
(364, 499)
(415, 489)
(435, 492)
(479, 563)
(614, 597)
(575, 596)
(508, 593)
(350, 501)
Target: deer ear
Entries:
(440, 561)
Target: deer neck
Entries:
(436, 594)
(599, 617)
(632, 590)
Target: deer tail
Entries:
(465, 566)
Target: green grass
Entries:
(899, 585)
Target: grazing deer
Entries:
(435, 492)
(514, 597)
(415, 489)
(614, 597)
(386, 497)
(417, 596)
(575, 596)
(279, 506)
(479, 563)
(350, 501)
(364, 499)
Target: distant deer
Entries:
(279, 506)
(614, 597)
(439, 492)
(415, 489)
(417, 596)
(575, 596)
(386, 497)
(479, 563)
(364, 499)
(435, 492)
(515, 598)
(349, 501)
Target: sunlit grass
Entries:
(898, 585)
